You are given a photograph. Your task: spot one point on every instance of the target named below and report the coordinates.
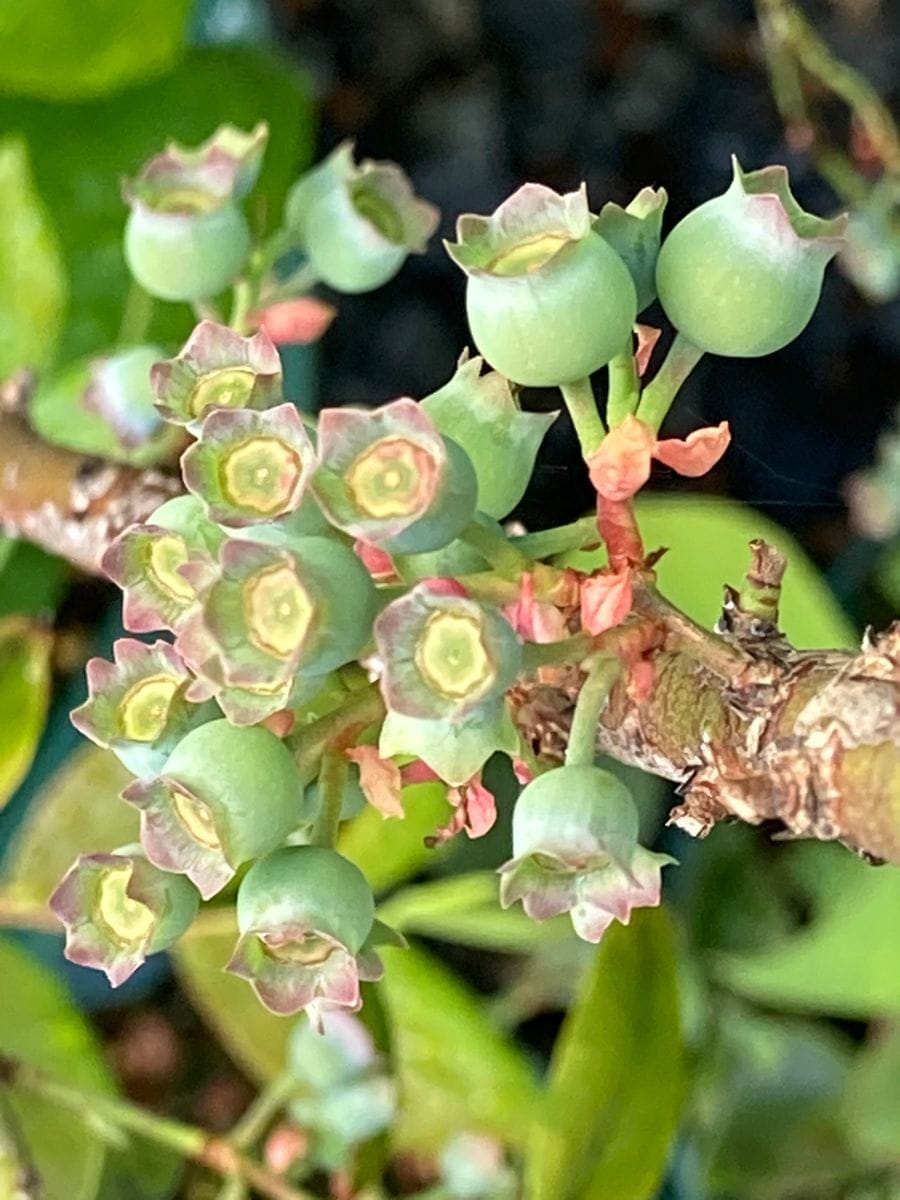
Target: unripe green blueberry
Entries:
(573, 811)
(310, 888)
(742, 274)
(358, 223)
(118, 908)
(549, 301)
(226, 794)
(186, 256)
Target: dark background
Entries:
(474, 97)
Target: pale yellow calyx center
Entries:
(375, 208)
(185, 201)
(196, 818)
(310, 950)
(229, 387)
(167, 554)
(529, 255)
(144, 709)
(262, 474)
(392, 478)
(130, 921)
(451, 655)
(278, 611)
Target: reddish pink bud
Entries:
(532, 619)
(417, 772)
(697, 453)
(302, 321)
(621, 466)
(285, 1145)
(647, 337)
(605, 600)
(480, 807)
(441, 585)
(377, 562)
(379, 778)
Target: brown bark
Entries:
(71, 504)
(747, 726)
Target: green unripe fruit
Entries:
(351, 251)
(186, 255)
(359, 222)
(553, 321)
(741, 275)
(243, 785)
(549, 301)
(307, 888)
(573, 812)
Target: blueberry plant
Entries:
(338, 607)
(335, 610)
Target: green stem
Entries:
(657, 399)
(552, 654)
(507, 559)
(362, 708)
(242, 304)
(260, 1114)
(205, 310)
(233, 1189)
(332, 782)
(548, 542)
(218, 1154)
(582, 747)
(624, 388)
(582, 406)
(136, 316)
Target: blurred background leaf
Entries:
(845, 961)
(39, 1025)
(77, 810)
(607, 1120)
(33, 286)
(24, 695)
(62, 51)
(81, 151)
(456, 1070)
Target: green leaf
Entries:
(58, 50)
(116, 135)
(707, 543)
(141, 1170)
(40, 1026)
(465, 909)
(389, 851)
(846, 962)
(887, 572)
(24, 696)
(769, 1092)
(456, 1070)
(871, 1104)
(608, 1117)
(33, 289)
(255, 1038)
(77, 811)
(32, 581)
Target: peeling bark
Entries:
(69, 503)
(748, 727)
